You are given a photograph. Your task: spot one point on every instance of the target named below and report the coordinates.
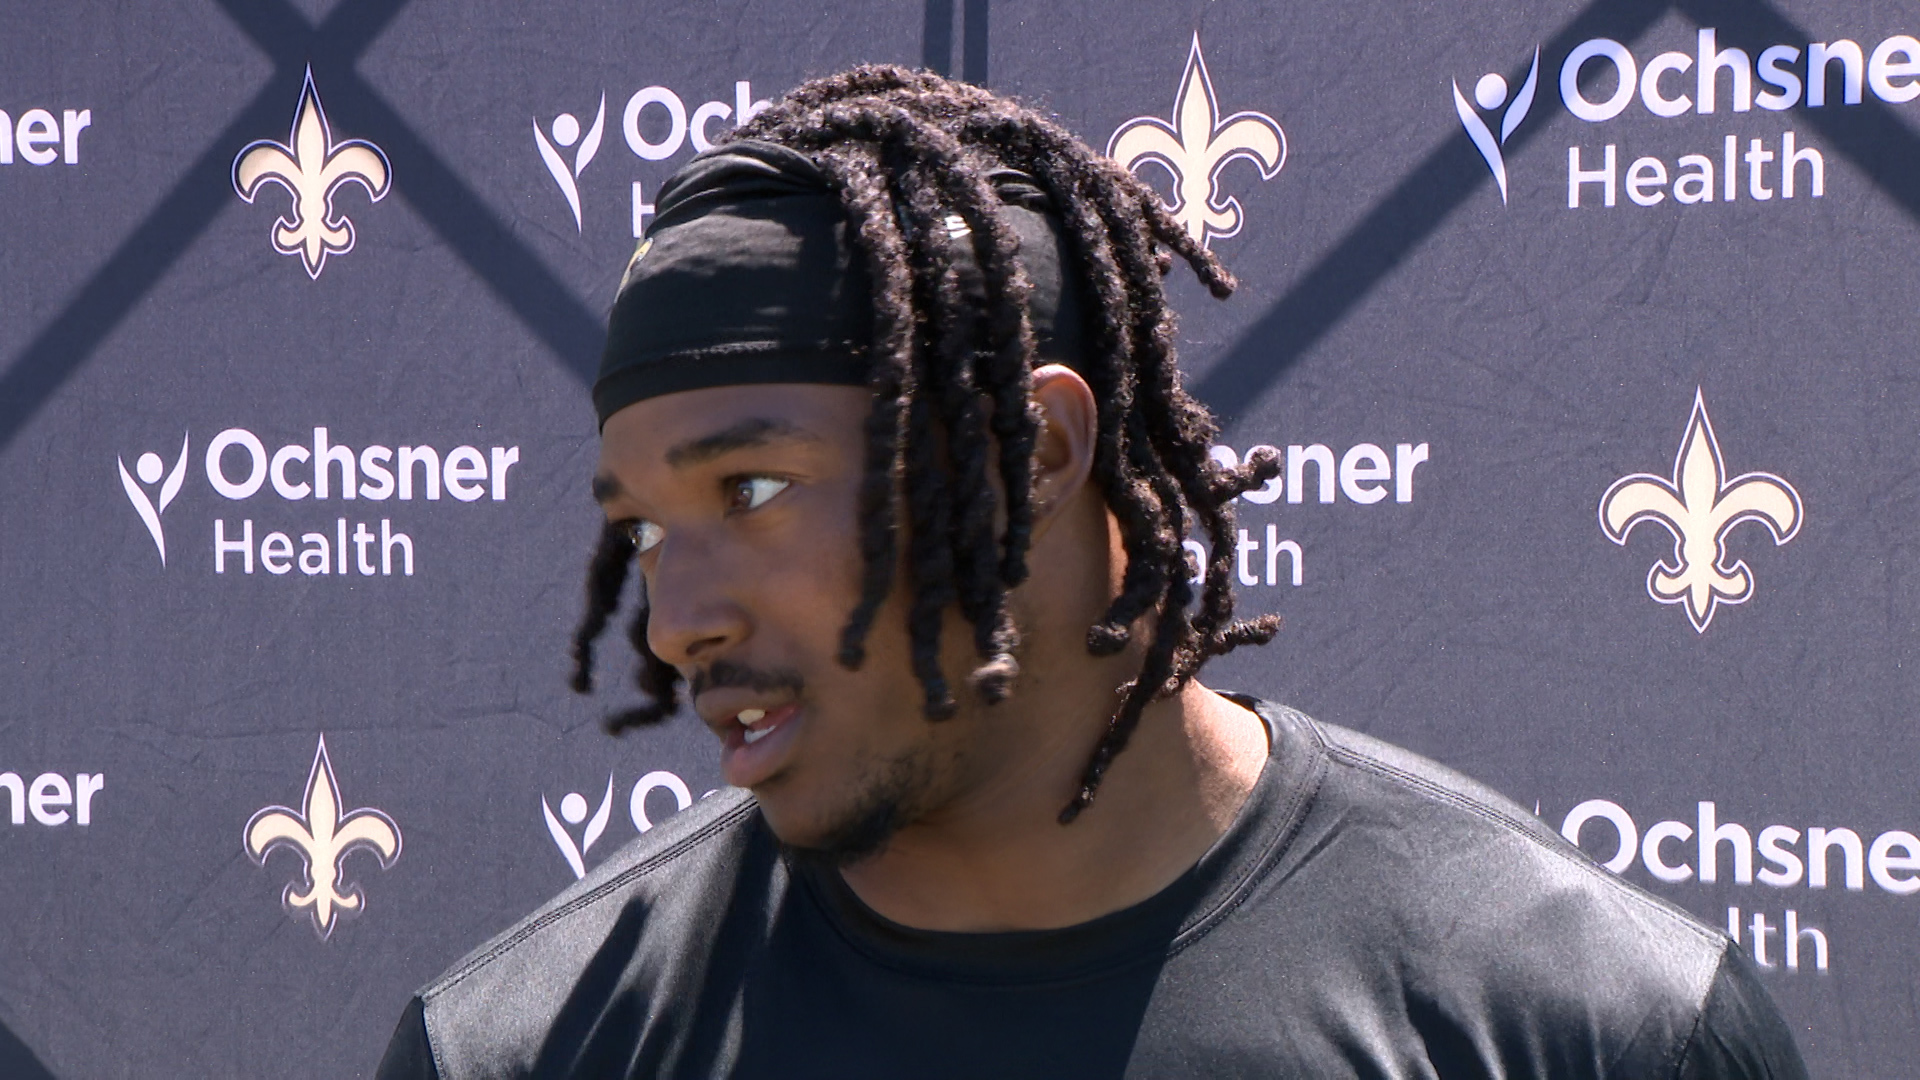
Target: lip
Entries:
(745, 764)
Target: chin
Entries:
(848, 842)
(868, 811)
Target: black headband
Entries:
(746, 276)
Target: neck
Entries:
(996, 858)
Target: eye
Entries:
(644, 534)
(751, 492)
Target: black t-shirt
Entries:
(1368, 914)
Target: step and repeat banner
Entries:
(1586, 335)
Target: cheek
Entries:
(811, 571)
(811, 588)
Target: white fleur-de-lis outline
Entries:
(1196, 146)
(149, 513)
(323, 837)
(576, 856)
(312, 167)
(1699, 505)
(1483, 139)
(583, 154)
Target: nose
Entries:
(693, 614)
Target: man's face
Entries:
(743, 502)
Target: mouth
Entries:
(750, 717)
(758, 743)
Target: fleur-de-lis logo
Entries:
(1196, 147)
(1700, 506)
(311, 167)
(322, 836)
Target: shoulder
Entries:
(1497, 926)
(1443, 840)
(492, 1013)
(698, 845)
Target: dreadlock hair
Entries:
(951, 381)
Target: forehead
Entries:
(691, 427)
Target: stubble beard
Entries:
(888, 796)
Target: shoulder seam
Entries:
(618, 881)
(1699, 1017)
(1433, 791)
(433, 1044)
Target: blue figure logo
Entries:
(573, 808)
(149, 468)
(1490, 93)
(566, 131)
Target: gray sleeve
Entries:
(409, 1055)
(1741, 1034)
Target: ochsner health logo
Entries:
(296, 480)
(1749, 158)
(1490, 93)
(656, 125)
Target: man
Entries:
(892, 427)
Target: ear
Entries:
(1063, 447)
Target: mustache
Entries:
(726, 674)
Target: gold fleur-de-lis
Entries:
(1196, 147)
(311, 166)
(322, 836)
(1699, 506)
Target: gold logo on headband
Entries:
(633, 264)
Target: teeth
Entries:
(751, 716)
(754, 736)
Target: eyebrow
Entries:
(746, 434)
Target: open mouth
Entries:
(748, 718)
(759, 743)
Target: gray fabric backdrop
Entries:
(1501, 411)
